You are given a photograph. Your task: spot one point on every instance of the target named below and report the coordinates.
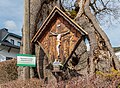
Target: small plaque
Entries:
(26, 60)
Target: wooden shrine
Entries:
(58, 37)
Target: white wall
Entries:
(4, 53)
(2, 58)
(15, 39)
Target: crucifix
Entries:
(58, 41)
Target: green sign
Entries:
(26, 60)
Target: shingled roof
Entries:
(4, 34)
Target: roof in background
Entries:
(4, 34)
(11, 34)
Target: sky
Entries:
(11, 17)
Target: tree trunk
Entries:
(26, 37)
(101, 56)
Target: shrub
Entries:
(8, 71)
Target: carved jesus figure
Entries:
(59, 35)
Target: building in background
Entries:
(9, 44)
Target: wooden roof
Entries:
(54, 13)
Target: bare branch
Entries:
(107, 3)
(102, 3)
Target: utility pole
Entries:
(26, 36)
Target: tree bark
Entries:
(96, 35)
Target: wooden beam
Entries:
(43, 49)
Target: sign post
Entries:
(26, 60)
